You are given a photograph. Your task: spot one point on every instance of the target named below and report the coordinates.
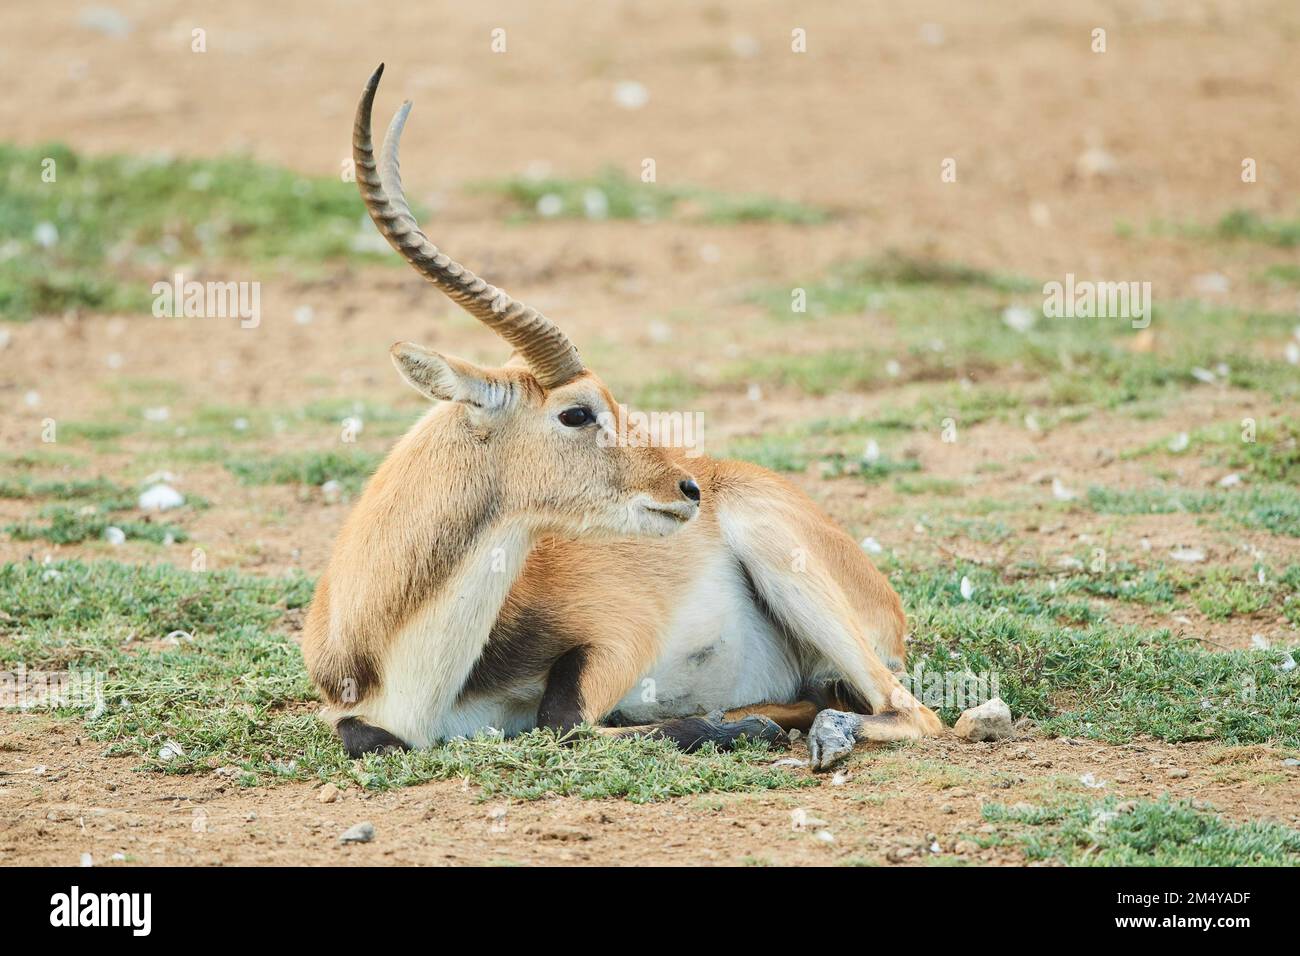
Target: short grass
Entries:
(232, 691)
(107, 227)
(64, 525)
(610, 194)
(350, 469)
(85, 509)
(1253, 227)
(1079, 832)
(898, 319)
(1059, 662)
(1274, 508)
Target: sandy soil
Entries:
(861, 123)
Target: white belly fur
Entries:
(720, 651)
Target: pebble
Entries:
(991, 720)
(161, 498)
(328, 793)
(1178, 773)
(361, 833)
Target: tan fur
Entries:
(495, 541)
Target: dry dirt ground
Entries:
(861, 124)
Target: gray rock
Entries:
(361, 833)
(991, 720)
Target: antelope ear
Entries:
(448, 379)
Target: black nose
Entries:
(690, 489)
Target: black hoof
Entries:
(692, 733)
(758, 727)
(359, 738)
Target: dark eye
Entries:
(577, 416)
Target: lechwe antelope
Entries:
(509, 566)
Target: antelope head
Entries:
(560, 446)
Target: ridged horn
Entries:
(549, 353)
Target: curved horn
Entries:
(548, 351)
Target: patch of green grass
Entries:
(939, 322)
(350, 469)
(928, 486)
(232, 691)
(1273, 454)
(1060, 664)
(1284, 273)
(74, 525)
(535, 765)
(1274, 508)
(100, 431)
(1079, 832)
(1220, 596)
(796, 450)
(1251, 226)
(107, 218)
(875, 283)
(612, 195)
(107, 494)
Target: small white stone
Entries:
(800, 820)
(1090, 781)
(1211, 283)
(1179, 442)
(871, 454)
(160, 498)
(967, 588)
(1018, 318)
(932, 34)
(46, 234)
(872, 546)
(1203, 375)
(114, 535)
(991, 720)
(361, 833)
(304, 314)
(87, 860)
(1060, 492)
(595, 205)
(1230, 481)
(170, 750)
(332, 491)
(549, 205)
(631, 95)
(1189, 555)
